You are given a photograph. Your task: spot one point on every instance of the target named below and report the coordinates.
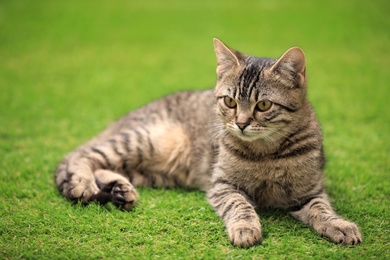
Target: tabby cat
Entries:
(253, 142)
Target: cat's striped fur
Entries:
(253, 142)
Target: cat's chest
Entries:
(257, 172)
(269, 183)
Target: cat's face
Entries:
(257, 98)
(252, 118)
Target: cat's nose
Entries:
(242, 125)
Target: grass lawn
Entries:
(68, 68)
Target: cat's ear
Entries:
(227, 58)
(293, 64)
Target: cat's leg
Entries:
(80, 183)
(89, 173)
(319, 214)
(148, 157)
(240, 218)
(75, 179)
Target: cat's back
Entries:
(186, 108)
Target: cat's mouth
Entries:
(249, 134)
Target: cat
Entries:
(253, 142)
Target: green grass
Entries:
(68, 68)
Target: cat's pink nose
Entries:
(242, 125)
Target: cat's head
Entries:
(257, 98)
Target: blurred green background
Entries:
(68, 68)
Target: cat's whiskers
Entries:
(218, 131)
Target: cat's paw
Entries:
(80, 188)
(245, 235)
(124, 195)
(341, 231)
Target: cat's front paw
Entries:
(124, 195)
(341, 231)
(245, 235)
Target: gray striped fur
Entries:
(242, 154)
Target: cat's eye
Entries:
(230, 102)
(264, 105)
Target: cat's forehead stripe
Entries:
(250, 76)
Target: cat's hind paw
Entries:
(124, 196)
(116, 188)
(78, 188)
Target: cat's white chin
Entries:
(247, 136)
